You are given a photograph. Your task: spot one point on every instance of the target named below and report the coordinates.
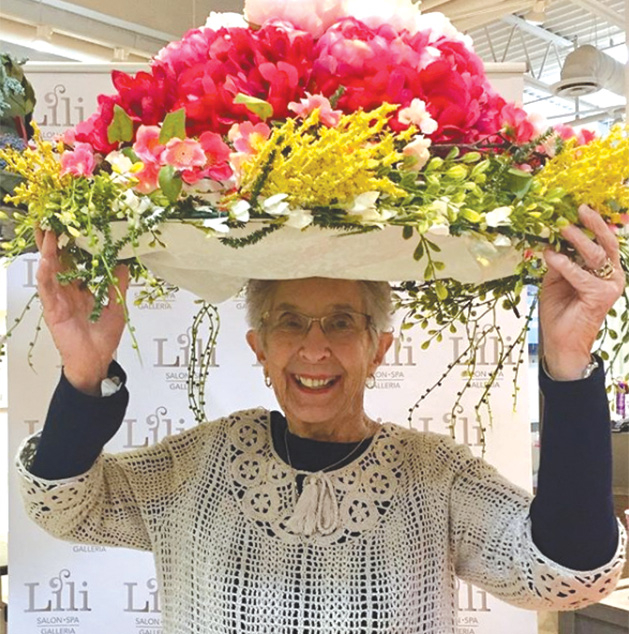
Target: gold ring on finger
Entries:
(604, 272)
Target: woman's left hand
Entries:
(573, 300)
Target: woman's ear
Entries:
(254, 339)
(385, 339)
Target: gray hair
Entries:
(376, 297)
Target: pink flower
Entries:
(184, 154)
(418, 149)
(68, 137)
(585, 136)
(564, 131)
(216, 155)
(373, 65)
(147, 145)
(148, 178)
(313, 16)
(517, 124)
(78, 162)
(247, 137)
(310, 102)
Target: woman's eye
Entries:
(290, 321)
(340, 322)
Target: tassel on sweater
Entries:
(316, 510)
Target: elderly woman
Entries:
(319, 519)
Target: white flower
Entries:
(299, 218)
(120, 163)
(276, 205)
(133, 207)
(502, 241)
(364, 202)
(217, 20)
(240, 210)
(441, 26)
(418, 149)
(364, 206)
(400, 14)
(216, 224)
(498, 217)
(440, 229)
(314, 16)
(62, 240)
(441, 206)
(417, 114)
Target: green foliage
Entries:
(120, 130)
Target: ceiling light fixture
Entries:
(537, 15)
(43, 38)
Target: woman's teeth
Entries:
(313, 383)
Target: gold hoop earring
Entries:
(370, 382)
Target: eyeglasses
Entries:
(342, 324)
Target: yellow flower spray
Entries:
(317, 166)
(594, 174)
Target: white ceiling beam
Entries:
(602, 11)
(98, 16)
(538, 31)
(89, 29)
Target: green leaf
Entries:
(120, 130)
(419, 251)
(472, 157)
(258, 106)
(170, 183)
(518, 182)
(471, 215)
(407, 232)
(441, 290)
(174, 126)
(130, 154)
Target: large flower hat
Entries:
(339, 138)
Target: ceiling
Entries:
(540, 33)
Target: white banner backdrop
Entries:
(62, 588)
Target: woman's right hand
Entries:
(86, 348)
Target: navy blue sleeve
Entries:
(77, 427)
(572, 515)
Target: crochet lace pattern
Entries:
(376, 549)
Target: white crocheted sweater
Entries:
(375, 549)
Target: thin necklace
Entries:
(334, 464)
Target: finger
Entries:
(39, 238)
(49, 245)
(605, 235)
(592, 254)
(567, 268)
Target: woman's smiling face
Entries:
(318, 378)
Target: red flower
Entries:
(272, 63)
(146, 97)
(94, 129)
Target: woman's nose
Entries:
(315, 346)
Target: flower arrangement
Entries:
(345, 116)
